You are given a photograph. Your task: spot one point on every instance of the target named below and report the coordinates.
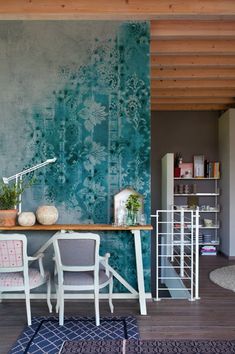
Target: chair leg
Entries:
(28, 309)
(49, 294)
(61, 309)
(110, 295)
(97, 310)
(57, 299)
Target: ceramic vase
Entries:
(26, 218)
(47, 215)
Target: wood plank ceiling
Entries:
(192, 43)
(192, 64)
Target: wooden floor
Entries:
(212, 317)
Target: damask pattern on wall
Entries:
(92, 112)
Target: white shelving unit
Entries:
(207, 194)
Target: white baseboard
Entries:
(41, 296)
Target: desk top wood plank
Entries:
(77, 227)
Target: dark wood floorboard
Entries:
(212, 317)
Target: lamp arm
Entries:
(31, 169)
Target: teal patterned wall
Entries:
(79, 91)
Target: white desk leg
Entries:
(140, 272)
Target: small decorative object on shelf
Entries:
(47, 214)
(198, 166)
(186, 170)
(142, 219)
(186, 189)
(208, 222)
(177, 164)
(26, 218)
(193, 202)
(122, 215)
(133, 206)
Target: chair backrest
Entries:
(13, 252)
(77, 251)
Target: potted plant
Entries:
(9, 198)
(133, 205)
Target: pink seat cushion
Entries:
(17, 279)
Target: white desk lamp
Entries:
(18, 176)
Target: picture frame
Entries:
(198, 166)
(186, 170)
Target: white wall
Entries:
(227, 183)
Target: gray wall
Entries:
(187, 132)
(190, 133)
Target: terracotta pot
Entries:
(8, 217)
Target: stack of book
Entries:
(207, 238)
(208, 251)
(200, 238)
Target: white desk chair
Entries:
(15, 274)
(78, 267)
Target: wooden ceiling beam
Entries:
(188, 84)
(193, 100)
(189, 107)
(189, 47)
(116, 9)
(184, 29)
(193, 92)
(193, 60)
(192, 73)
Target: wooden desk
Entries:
(77, 227)
(135, 230)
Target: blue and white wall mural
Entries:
(79, 91)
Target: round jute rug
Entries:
(224, 277)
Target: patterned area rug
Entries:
(148, 346)
(224, 277)
(45, 336)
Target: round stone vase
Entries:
(47, 214)
(26, 218)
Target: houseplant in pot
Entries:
(133, 206)
(9, 199)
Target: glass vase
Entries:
(132, 217)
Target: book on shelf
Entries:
(216, 170)
(208, 250)
(208, 253)
(211, 169)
